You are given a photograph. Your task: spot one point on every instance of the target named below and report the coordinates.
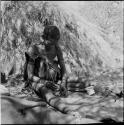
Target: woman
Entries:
(45, 64)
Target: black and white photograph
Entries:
(61, 62)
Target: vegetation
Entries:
(81, 49)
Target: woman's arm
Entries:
(61, 63)
(30, 71)
(31, 65)
(63, 87)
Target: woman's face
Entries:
(49, 42)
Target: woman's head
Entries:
(51, 33)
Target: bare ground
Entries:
(102, 105)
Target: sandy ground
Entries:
(97, 106)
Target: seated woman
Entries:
(44, 65)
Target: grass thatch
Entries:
(81, 43)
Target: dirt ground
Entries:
(99, 106)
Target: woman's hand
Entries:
(63, 89)
(52, 86)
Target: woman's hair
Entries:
(51, 32)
